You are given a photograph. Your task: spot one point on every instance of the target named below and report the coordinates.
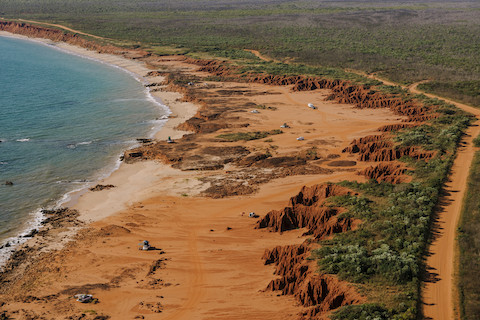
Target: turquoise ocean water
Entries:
(64, 121)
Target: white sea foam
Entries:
(74, 145)
(84, 143)
(23, 140)
(8, 246)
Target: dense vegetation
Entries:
(469, 242)
(404, 41)
(384, 256)
(463, 91)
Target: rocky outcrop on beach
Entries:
(56, 222)
(100, 187)
(186, 155)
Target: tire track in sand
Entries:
(195, 284)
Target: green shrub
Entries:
(362, 312)
(476, 141)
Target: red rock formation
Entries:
(74, 39)
(388, 172)
(381, 148)
(297, 277)
(397, 126)
(342, 91)
(306, 210)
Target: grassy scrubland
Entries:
(469, 243)
(403, 41)
(384, 256)
(463, 91)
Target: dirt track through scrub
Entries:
(65, 28)
(438, 299)
(260, 56)
(439, 302)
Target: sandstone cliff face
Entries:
(381, 148)
(397, 126)
(74, 39)
(388, 172)
(307, 210)
(297, 276)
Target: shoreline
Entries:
(120, 197)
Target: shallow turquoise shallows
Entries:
(64, 121)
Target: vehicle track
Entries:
(439, 289)
(65, 28)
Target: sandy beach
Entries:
(208, 260)
(135, 181)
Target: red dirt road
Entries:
(438, 299)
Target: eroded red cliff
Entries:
(298, 276)
(308, 210)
